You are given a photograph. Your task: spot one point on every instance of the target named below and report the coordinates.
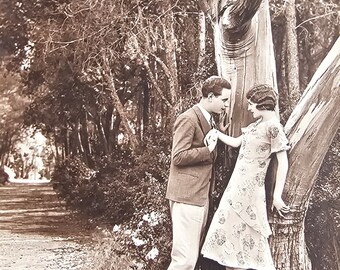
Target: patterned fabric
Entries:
(239, 230)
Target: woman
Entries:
(238, 235)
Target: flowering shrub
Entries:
(148, 233)
(127, 192)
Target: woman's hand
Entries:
(210, 139)
(280, 206)
(223, 122)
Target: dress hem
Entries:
(205, 255)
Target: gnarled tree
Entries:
(244, 55)
(311, 129)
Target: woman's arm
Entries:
(281, 174)
(231, 141)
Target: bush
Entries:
(102, 256)
(127, 191)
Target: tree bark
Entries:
(244, 51)
(170, 50)
(101, 133)
(202, 38)
(66, 137)
(311, 129)
(119, 106)
(85, 133)
(56, 137)
(78, 137)
(292, 55)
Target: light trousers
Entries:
(188, 224)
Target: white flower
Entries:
(152, 219)
(152, 254)
(116, 228)
(138, 242)
(146, 217)
(139, 265)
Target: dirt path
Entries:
(36, 232)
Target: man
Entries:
(190, 179)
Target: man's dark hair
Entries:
(214, 84)
(264, 96)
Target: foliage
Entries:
(20, 21)
(87, 190)
(103, 255)
(323, 217)
(147, 236)
(70, 77)
(317, 29)
(75, 47)
(128, 191)
(12, 105)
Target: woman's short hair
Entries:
(263, 96)
(214, 84)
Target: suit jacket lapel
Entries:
(201, 119)
(205, 126)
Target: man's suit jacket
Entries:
(191, 161)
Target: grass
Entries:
(104, 257)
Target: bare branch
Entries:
(316, 17)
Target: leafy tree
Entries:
(11, 112)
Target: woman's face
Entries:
(252, 108)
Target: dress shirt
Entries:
(207, 115)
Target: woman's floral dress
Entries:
(238, 234)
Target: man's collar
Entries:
(205, 113)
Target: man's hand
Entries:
(210, 139)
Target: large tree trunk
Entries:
(311, 129)
(244, 51)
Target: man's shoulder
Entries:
(188, 116)
(189, 112)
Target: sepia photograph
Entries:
(170, 135)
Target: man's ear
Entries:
(210, 96)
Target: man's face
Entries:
(222, 102)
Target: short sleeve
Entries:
(278, 139)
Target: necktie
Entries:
(212, 122)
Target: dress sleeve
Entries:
(278, 139)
